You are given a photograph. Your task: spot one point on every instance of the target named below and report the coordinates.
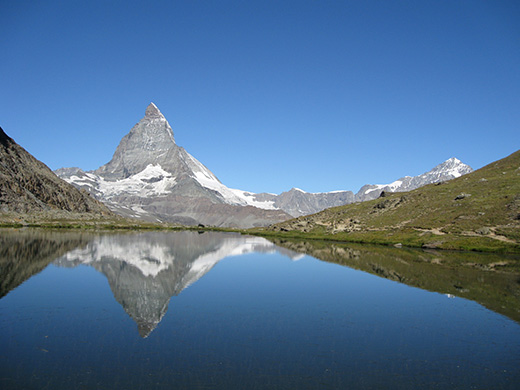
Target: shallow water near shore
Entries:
(225, 311)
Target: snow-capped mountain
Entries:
(145, 270)
(297, 202)
(152, 178)
(449, 169)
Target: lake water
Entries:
(184, 310)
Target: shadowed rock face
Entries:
(145, 270)
(27, 185)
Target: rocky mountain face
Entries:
(152, 178)
(29, 186)
(297, 202)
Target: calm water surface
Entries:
(183, 310)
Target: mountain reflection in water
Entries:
(145, 270)
(493, 280)
(255, 321)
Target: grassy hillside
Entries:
(478, 211)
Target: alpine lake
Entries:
(212, 310)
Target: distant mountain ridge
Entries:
(150, 177)
(449, 169)
(297, 202)
(477, 211)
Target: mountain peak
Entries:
(148, 142)
(452, 167)
(153, 111)
(152, 133)
(452, 161)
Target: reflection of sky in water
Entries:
(254, 320)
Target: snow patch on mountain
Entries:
(230, 196)
(390, 187)
(152, 181)
(251, 199)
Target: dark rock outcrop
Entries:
(28, 185)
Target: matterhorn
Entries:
(151, 178)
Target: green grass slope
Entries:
(477, 211)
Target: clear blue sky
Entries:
(269, 95)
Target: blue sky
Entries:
(269, 95)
